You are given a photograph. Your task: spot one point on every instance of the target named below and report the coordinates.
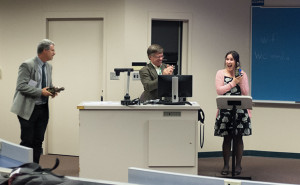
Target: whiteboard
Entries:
(275, 54)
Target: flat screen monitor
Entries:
(185, 85)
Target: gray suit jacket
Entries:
(26, 94)
(149, 79)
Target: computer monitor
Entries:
(185, 85)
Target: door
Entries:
(172, 36)
(77, 66)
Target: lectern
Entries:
(234, 103)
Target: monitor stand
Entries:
(175, 98)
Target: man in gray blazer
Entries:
(149, 73)
(31, 97)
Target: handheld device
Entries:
(238, 72)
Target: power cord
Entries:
(201, 118)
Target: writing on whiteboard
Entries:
(268, 39)
(282, 57)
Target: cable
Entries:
(201, 118)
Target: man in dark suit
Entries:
(31, 97)
(149, 73)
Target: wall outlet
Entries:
(232, 182)
(113, 76)
(136, 76)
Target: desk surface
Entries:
(113, 105)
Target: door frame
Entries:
(186, 18)
(56, 16)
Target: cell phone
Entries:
(238, 72)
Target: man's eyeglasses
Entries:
(162, 56)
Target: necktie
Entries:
(43, 76)
(159, 71)
(44, 99)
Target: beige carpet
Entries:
(68, 166)
(258, 168)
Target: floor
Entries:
(265, 169)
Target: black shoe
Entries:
(224, 172)
(238, 172)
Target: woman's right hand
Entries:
(238, 79)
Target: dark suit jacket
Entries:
(26, 95)
(149, 79)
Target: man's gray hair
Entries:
(44, 44)
(154, 48)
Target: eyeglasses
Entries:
(162, 57)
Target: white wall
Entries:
(215, 27)
(23, 25)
